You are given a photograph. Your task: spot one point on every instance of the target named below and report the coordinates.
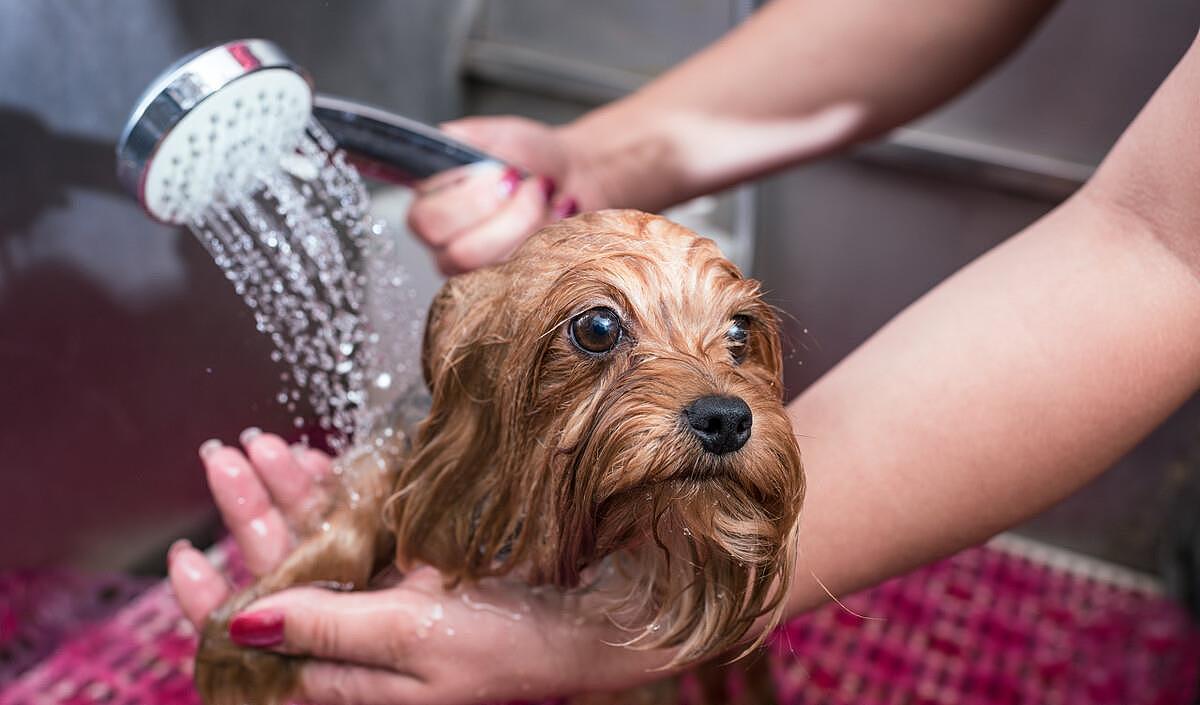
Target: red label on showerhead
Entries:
(241, 53)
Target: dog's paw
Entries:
(228, 674)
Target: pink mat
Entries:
(41, 609)
(995, 625)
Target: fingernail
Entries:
(299, 450)
(262, 629)
(565, 208)
(548, 187)
(450, 128)
(209, 447)
(176, 548)
(249, 434)
(509, 181)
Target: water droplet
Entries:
(259, 527)
(296, 243)
(486, 607)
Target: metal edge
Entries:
(176, 91)
(339, 116)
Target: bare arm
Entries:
(1020, 378)
(797, 80)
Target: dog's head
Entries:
(613, 390)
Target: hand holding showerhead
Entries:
(207, 126)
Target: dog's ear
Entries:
(463, 493)
(444, 322)
(436, 320)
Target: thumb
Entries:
(478, 131)
(370, 628)
(515, 140)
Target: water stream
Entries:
(324, 281)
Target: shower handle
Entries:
(212, 119)
(391, 147)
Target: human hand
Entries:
(477, 215)
(411, 641)
(261, 495)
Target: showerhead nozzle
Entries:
(209, 123)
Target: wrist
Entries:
(619, 156)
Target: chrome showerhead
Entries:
(209, 123)
(216, 118)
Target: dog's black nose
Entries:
(721, 423)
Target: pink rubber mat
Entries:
(42, 609)
(996, 625)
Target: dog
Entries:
(611, 395)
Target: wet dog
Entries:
(610, 396)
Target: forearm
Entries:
(1007, 388)
(1019, 379)
(798, 79)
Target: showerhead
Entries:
(209, 123)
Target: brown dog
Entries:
(610, 394)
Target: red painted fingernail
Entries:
(509, 181)
(566, 208)
(176, 548)
(262, 629)
(548, 187)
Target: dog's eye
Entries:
(737, 334)
(596, 331)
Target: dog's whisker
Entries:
(833, 597)
(553, 329)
